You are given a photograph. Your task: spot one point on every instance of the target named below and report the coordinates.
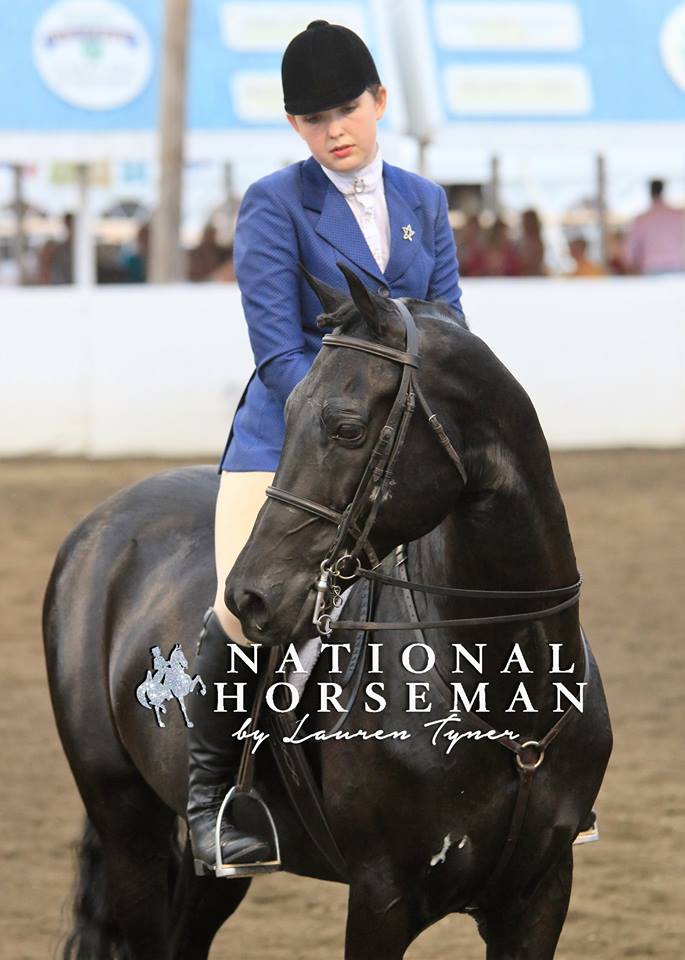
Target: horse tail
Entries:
(141, 692)
(95, 932)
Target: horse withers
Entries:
(428, 822)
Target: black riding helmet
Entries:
(324, 66)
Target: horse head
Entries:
(178, 657)
(345, 419)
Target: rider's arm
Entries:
(266, 267)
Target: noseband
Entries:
(373, 489)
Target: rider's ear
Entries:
(372, 307)
(330, 297)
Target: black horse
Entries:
(427, 825)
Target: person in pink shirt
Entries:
(656, 240)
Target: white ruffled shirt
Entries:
(365, 194)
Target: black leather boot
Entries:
(214, 757)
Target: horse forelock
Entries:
(341, 319)
(348, 318)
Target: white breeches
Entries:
(241, 496)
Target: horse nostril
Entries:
(254, 609)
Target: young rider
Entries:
(345, 204)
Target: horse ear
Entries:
(330, 297)
(372, 307)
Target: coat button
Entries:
(384, 291)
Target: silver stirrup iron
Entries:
(244, 786)
(587, 836)
(245, 869)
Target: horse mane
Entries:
(341, 319)
(348, 314)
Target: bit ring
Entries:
(335, 570)
(534, 745)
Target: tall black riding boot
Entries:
(214, 757)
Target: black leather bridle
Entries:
(373, 489)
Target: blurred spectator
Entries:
(134, 261)
(584, 267)
(45, 257)
(471, 248)
(56, 259)
(225, 272)
(206, 257)
(656, 240)
(501, 258)
(531, 246)
(615, 253)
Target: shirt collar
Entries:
(354, 182)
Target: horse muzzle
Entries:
(273, 616)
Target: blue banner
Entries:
(561, 60)
(93, 65)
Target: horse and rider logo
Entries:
(169, 681)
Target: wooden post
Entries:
(167, 262)
(231, 203)
(83, 252)
(602, 208)
(494, 200)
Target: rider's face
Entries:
(344, 138)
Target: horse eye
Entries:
(350, 431)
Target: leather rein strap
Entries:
(373, 488)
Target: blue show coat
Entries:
(297, 214)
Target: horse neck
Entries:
(508, 532)
(512, 532)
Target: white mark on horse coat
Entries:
(442, 855)
(463, 842)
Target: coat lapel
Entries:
(337, 223)
(403, 204)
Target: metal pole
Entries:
(19, 232)
(602, 208)
(166, 254)
(83, 250)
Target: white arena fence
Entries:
(143, 370)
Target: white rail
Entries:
(125, 371)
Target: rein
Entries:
(374, 488)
